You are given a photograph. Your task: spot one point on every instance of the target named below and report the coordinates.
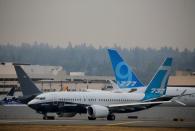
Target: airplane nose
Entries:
(32, 104)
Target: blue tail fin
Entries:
(124, 75)
(158, 85)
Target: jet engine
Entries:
(61, 114)
(97, 111)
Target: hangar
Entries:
(55, 78)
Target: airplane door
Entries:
(55, 101)
(84, 99)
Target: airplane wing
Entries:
(136, 105)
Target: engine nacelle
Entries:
(97, 111)
(61, 114)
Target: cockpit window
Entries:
(40, 98)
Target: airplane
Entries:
(9, 99)
(124, 75)
(28, 88)
(127, 81)
(104, 104)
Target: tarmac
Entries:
(154, 117)
(101, 122)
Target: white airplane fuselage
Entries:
(101, 103)
(103, 98)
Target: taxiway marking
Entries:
(122, 123)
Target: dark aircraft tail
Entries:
(27, 86)
(11, 92)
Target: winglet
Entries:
(179, 102)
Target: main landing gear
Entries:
(91, 118)
(111, 117)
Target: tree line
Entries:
(95, 61)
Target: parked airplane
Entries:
(127, 81)
(9, 99)
(28, 88)
(105, 104)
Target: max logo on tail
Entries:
(158, 85)
(158, 91)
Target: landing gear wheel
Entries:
(91, 118)
(45, 117)
(111, 117)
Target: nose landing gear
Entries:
(45, 117)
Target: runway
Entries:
(155, 117)
(102, 122)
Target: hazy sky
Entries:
(129, 23)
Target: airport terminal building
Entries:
(50, 78)
(55, 78)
